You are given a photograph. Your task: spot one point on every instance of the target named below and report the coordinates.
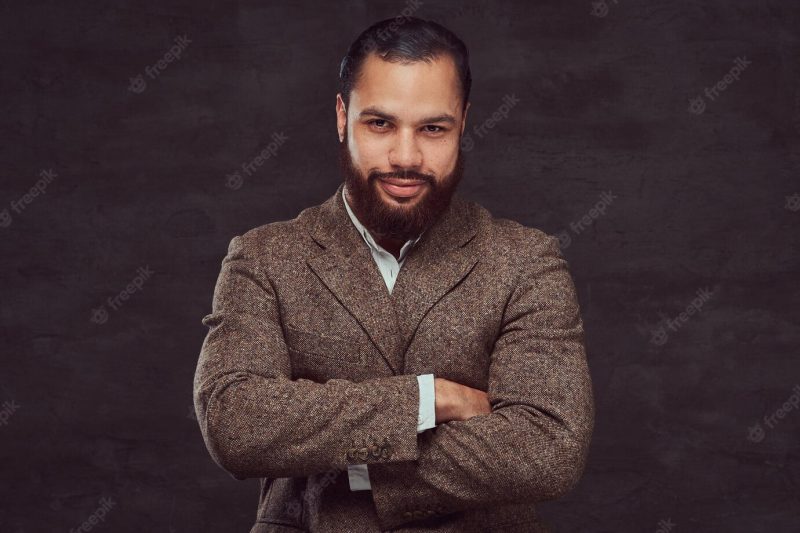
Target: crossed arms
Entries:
(532, 444)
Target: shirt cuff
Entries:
(427, 403)
(358, 475)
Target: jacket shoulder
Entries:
(275, 239)
(510, 237)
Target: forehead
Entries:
(408, 89)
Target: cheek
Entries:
(443, 160)
(367, 153)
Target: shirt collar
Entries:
(368, 237)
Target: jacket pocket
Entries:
(324, 347)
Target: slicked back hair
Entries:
(405, 40)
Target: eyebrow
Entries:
(375, 112)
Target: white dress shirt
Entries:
(389, 267)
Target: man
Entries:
(396, 358)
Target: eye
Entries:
(436, 129)
(378, 123)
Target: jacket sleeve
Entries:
(533, 444)
(258, 422)
(358, 475)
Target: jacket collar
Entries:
(433, 266)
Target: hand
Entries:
(458, 402)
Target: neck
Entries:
(392, 246)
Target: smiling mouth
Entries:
(401, 188)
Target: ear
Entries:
(341, 117)
(464, 118)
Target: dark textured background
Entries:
(142, 181)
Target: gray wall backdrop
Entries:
(659, 139)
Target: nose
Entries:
(405, 152)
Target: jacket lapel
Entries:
(433, 266)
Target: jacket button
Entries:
(351, 453)
(407, 514)
(363, 453)
(375, 450)
(386, 451)
(418, 514)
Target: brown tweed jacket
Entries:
(310, 364)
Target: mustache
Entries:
(409, 175)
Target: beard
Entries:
(406, 218)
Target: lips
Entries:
(402, 188)
(403, 182)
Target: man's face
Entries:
(401, 156)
